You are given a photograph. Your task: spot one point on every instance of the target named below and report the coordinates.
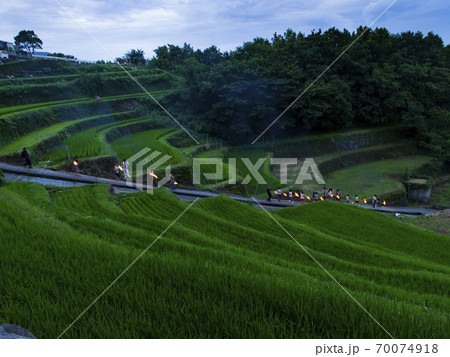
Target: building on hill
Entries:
(10, 52)
(41, 53)
(5, 49)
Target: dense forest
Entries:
(382, 79)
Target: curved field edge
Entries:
(92, 143)
(39, 136)
(6, 112)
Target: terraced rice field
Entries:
(36, 106)
(90, 143)
(41, 135)
(224, 269)
(128, 145)
(372, 178)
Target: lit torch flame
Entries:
(296, 195)
(175, 183)
(284, 195)
(384, 203)
(309, 198)
(120, 168)
(365, 201)
(75, 163)
(152, 174)
(321, 198)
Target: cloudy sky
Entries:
(121, 25)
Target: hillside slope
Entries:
(224, 269)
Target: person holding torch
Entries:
(117, 171)
(280, 194)
(76, 169)
(291, 196)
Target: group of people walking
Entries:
(120, 170)
(123, 167)
(326, 194)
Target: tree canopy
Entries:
(28, 40)
(134, 57)
(382, 79)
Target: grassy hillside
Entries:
(225, 269)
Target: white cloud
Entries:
(121, 25)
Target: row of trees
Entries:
(382, 79)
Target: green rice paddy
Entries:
(223, 270)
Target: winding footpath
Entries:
(65, 179)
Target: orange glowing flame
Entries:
(384, 203)
(175, 183)
(296, 195)
(309, 198)
(284, 195)
(338, 197)
(75, 163)
(365, 201)
(120, 168)
(152, 174)
(321, 198)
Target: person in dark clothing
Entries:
(26, 157)
(172, 182)
(269, 193)
(117, 171)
